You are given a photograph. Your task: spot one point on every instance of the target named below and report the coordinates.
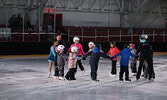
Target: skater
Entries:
(72, 63)
(133, 61)
(125, 53)
(146, 53)
(113, 51)
(80, 51)
(60, 62)
(94, 59)
(52, 56)
(61, 42)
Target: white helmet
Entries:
(76, 39)
(74, 49)
(91, 43)
(61, 47)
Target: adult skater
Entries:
(94, 59)
(79, 53)
(61, 42)
(145, 54)
(113, 51)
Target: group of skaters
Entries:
(59, 53)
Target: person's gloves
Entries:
(83, 57)
(137, 57)
(111, 58)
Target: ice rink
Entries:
(25, 78)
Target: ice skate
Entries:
(49, 74)
(83, 72)
(61, 78)
(112, 75)
(55, 77)
(151, 79)
(121, 80)
(95, 80)
(128, 80)
(133, 74)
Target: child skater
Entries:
(94, 59)
(72, 63)
(113, 51)
(125, 53)
(133, 60)
(52, 56)
(60, 61)
(80, 51)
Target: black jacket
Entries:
(145, 50)
(95, 56)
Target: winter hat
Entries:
(126, 45)
(132, 45)
(113, 42)
(76, 39)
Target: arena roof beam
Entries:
(118, 5)
(75, 4)
(61, 3)
(103, 5)
(92, 5)
(82, 2)
(30, 4)
(141, 6)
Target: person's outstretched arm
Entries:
(120, 53)
(104, 55)
(88, 54)
(132, 55)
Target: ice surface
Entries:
(26, 79)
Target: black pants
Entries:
(133, 68)
(80, 65)
(61, 70)
(146, 70)
(150, 67)
(56, 71)
(114, 69)
(93, 72)
(71, 74)
(122, 70)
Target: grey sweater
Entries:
(133, 60)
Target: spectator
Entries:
(27, 21)
(19, 21)
(13, 22)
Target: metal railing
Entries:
(85, 34)
(119, 35)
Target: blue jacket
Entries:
(125, 53)
(95, 56)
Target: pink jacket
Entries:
(72, 62)
(80, 49)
